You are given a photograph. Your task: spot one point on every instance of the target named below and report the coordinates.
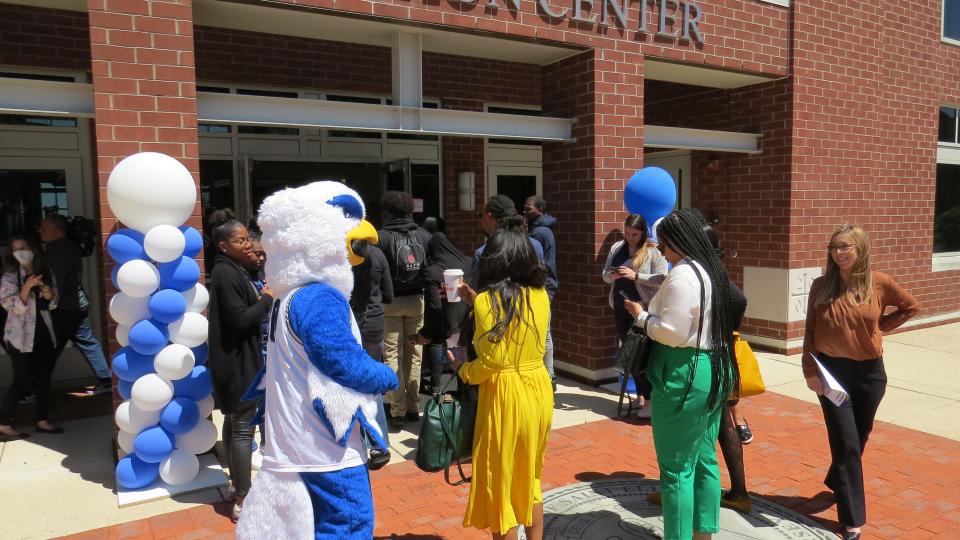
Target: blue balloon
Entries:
(149, 337)
(179, 275)
(167, 306)
(153, 444)
(180, 415)
(134, 473)
(650, 192)
(200, 353)
(126, 245)
(129, 365)
(125, 389)
(113, 276)
(194, 241)
(196, 386)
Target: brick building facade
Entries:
(840, 101)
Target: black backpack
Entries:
(411, 261)
(83, 232)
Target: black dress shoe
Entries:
(378, 460)
(55, 431)
(849, 535)
(20, 435)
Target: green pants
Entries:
(685, 436)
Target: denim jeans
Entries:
(87, 344)
(375, 350)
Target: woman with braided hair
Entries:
(692, 372)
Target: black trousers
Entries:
(32, 369)
(624, 323)
(848, 428)
(65, 324)
(237, 437)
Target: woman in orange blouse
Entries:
(846, 313)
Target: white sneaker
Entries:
(235, 514)
(644, 411)
(256, 460)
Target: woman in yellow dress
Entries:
(515, 407)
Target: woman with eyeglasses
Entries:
(239, 302)
(848, 308)
(692, 371)
(635, 269)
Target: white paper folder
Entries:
(832, 389)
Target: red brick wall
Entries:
(143, 83)
(49, 38)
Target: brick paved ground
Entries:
(911, 488)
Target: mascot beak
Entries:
(357, 240)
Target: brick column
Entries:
(583, 182)
(144, 88)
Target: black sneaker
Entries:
(29, 398)
(396, 422)
(100, 388)
(746, 436)
(412, 416)
(378, 459)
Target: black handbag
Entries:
(446, 432)
(631, 359)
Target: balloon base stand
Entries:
(211, 476)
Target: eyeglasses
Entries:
(840, 248)
(240, 241)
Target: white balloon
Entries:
(179, 468)
(191, 330)
(128, 310)
(132, 419)
(174, 362)
(199, 439)
(205, 406)
(125, 441)
(197, 298)
(123, 335)
(151, 392)
(164, 243)
(149, 189)
(138, 278)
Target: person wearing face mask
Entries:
(239, 303)
(28, 293)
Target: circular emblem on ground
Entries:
(618, 510)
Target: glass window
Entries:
(948, 125)
(43, 121)
(946, 212)
(425, 184)
(26, 196)
(951, 19)
(268, 130)
(213, 128)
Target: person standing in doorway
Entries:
(848, 309)
(540, 226)
(71, 320)
(404, 244)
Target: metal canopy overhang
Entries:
(701, 139)
(27, 96)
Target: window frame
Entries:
(943, 24)
(947, 154)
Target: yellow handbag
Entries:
(751, 381)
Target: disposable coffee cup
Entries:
(453, 278)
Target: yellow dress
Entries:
(514, 413)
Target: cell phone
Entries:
(623, 294)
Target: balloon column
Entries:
(650, 192)
(163, 422)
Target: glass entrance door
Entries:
(677, 163)
(518, 183)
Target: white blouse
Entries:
(675, 310)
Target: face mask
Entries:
(23, 256)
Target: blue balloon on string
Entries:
(129, 365)
(180, 275)
(167, 306)
(650, 192)
(126, 245)
(153, 444)
(125, 389)
(148, 337)
(200, 353)
(180, 415)
(134, 473)
(194, 241)
(196, 386)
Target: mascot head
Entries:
(313, 234)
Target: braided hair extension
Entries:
(682, 231)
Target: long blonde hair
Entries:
(860, 287)
(636, 221)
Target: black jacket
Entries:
(372, 288)
(542, 230)
(236, 311)
(442, 318)
(65, 261)
(388, 245)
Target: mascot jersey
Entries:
(319, 385)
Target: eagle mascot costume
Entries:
(320, 386)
